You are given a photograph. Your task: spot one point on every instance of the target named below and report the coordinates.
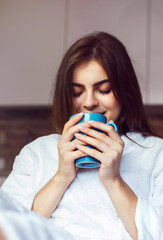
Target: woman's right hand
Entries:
(67, 150)
(47, 199)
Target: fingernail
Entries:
(91, 122)
(81, 128)
(77, 134)
(79, 114)
(79, 146)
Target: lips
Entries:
(99, 112)
(103, 113)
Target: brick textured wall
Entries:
(21, 125)
(155, 114)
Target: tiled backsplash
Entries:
(21, 125)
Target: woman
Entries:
(122, 199)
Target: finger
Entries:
(69, 146)
(105, 159)
(78, 154)
(99, 141)
(71, 157)
(68, 134)
(73, 121)
(108, 129)
(93, 132)
(72, 145)
(76, 128)
(90, 152)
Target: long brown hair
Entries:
(113, 57)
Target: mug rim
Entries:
(89, 113)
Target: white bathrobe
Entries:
(19, 223)
(86, 209)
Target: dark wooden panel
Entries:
(155, 114)
(20, 125)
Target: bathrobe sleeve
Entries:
(149, 212)
(18, 223)
(32, 169)
(20, 183)
(20, 226)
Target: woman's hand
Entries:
(67, 150)
(109, 148)
(47, 199)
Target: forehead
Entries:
(90, 71)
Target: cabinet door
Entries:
(31, 44)
(156, 53)
(125, 19)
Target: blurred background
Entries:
(35, 34)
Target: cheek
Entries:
(112, 106)
(109, 101)
(76, 105)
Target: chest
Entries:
(136, 170)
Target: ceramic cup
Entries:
(88, 161)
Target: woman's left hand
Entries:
(109, 148)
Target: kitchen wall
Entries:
(34, 34)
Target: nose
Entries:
(90, 101)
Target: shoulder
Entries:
(48, 139)
(39, 153)
(141, 139)
(42, 144)
(137, 141)
(142, 156)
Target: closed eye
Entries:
(105, 92)
(77, 94)
(77, 89)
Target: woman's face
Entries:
(92, 91)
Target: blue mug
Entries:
(88, 161)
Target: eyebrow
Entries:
(96, 84)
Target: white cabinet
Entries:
(156, 53)
(35, 34)
(31, 43)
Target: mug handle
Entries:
(114, 126)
